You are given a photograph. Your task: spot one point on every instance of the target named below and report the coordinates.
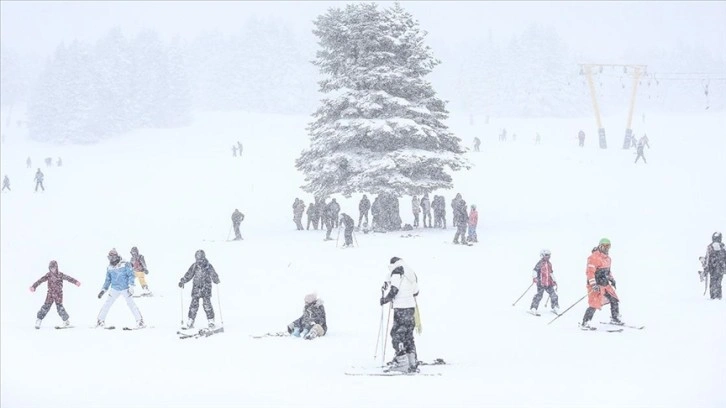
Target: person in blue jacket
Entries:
(119, 282)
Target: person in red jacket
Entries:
(473, 221)
(544, 277)
(55, 280)
(600, 285)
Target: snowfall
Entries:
(171, 192)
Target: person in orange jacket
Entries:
(600, 285)
(473, 221)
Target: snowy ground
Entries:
(171, 192)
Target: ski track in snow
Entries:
(170, 192)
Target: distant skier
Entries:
(335, 208)
(544, 277)
(39, 180)
(313, 322)
(641, 146)
(298, 208)
(349, 225)
(119, 282)
(312, 213)
(537, 139)
(239, 148)
(473, 221)
(454, 203)
(376, 213)
(28, 162)
(59, 163)
(477, 143)
(715, 264)
(330, 221)
(55, 279)
(6, 183)
(234, 150)
(581, 138)
(600, 285)
(416, 209)
(462, 220)
(138, 263)
(438, 205)
(402, 285)
(363, 206)
(237, 218)
(426, 210)
(203, 274)
(48, 161)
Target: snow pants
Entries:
(614, 308)
(460, 232)
(46, 307)
(426, 215)
(237, 234)
(111, 297)
(207, 305)
(402, 331)
(39, 183)
(472, 237)
(415, 219)
(639, 156)
(540, 292)
(715, 285)
(348, 233)
(360, 218)
(141, 276)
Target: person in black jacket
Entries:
(312, 323)
(363, 207)
(203, 274)
(349, 225)
(312, 215)
(237, 218)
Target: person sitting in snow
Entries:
(312, 323)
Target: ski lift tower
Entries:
(637, 71)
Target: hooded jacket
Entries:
(403, 284)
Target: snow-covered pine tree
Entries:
(380, 127)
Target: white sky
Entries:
(600, 29)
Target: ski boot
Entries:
(585, 325)
(190, 324)
(37, 323)
(556, 310)
(100, 323)
(66, 323)
(140, 324)
(616, 321)
(210, 323)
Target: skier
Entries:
(140, 271)
(454, 204)
(462, 220)
(376, 213)
(473, 221)
(329, 219)
(55, 280)
(239, 148)
(537, 139)
(203, 274)
(715, 264)
(298, 208)
(312, 213)
(234, 151)
(6, 183)
(426, 209)
(581, 138)
(416, 210)
(641, 146)
(59, 163)
(477, 143)
(402, 285)
(335, 208)
(349, 225)
(119, 282)
(544, 277)
(600, 285)
(237, 218)
(39, 180)
(48, 161)
(363, 206)
(312, 323)
(28, 163)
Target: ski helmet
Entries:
(545, 252)
(134, 250)
(200, 255)
(53, 264)
(716, 236)
(604, 241)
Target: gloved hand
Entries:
(384, 301)
(146, 272)
(534, 280)
(78, 283)
(217, 281)
(32, 289)
(296, 332)
(596, 288)
(131, 290)
(100, 294)
(181, 284)
(384, 287)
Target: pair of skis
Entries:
(201, 333)
(387, 372)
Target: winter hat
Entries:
(473, 206)
(200, 255)
(134, 250)
(311, 298)
(112, 252)
(604, 241)
(53, 264)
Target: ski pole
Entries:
(355, 238)
(705, 286)
(337, 238)
(525, 292)
(547, 302)
(380, 327)
(229, 232)
(219, 305)
(573, 305)
(181, 300)
(385, 337)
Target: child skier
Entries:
(544, 277)
(203, 274)
(312, 323)
(140, 271)
(119, 282)
(55, 280)
(402, 285)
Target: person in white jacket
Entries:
(402, 285)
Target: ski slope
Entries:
(171, 192)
